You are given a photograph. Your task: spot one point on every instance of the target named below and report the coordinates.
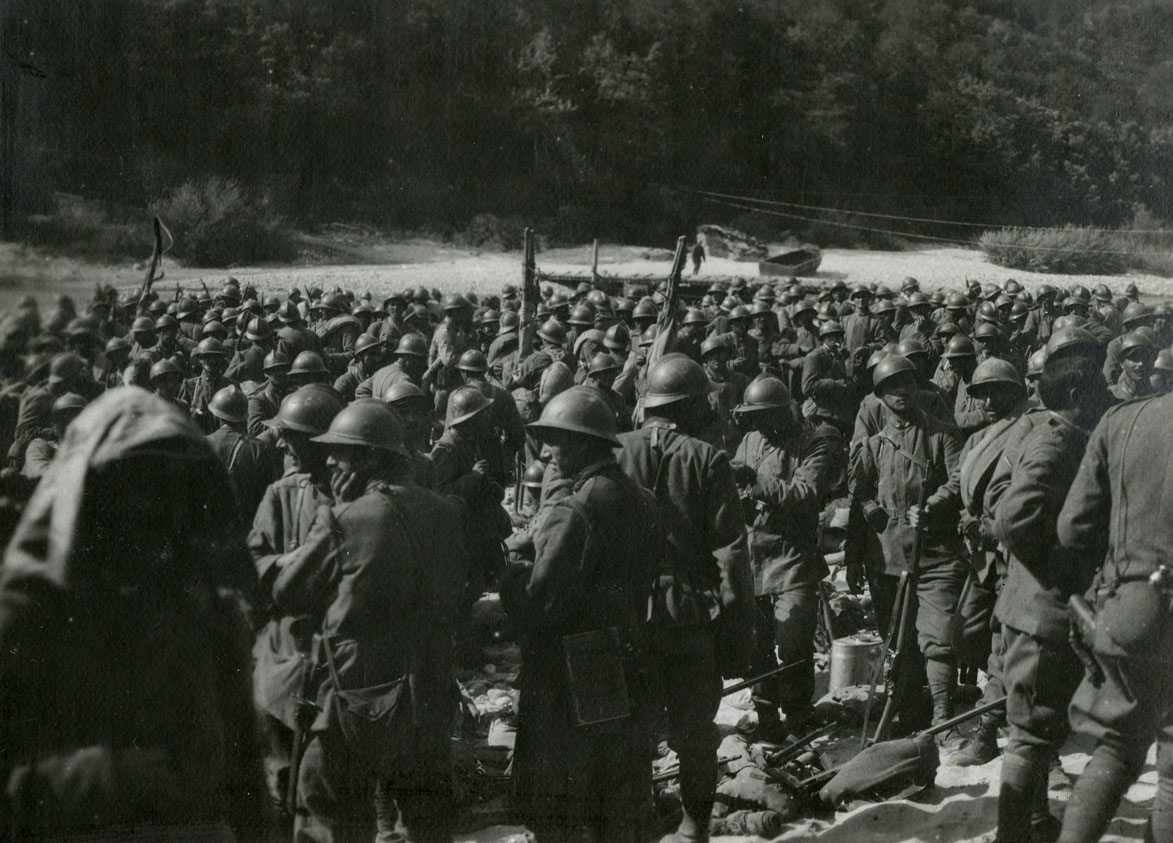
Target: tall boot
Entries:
(1019, 781)
(942, 678)
(1095, 797)
(698, 785)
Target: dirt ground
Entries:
(414, 261)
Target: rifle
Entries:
(156, 256)
(519, 489)
(901, 655)
(749, 683)
(527, 319)
(300, 733)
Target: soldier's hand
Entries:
(918, 517)
(878, 519)
(481, 467)
(344, 486)
(855, 578)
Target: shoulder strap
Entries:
(235, 453)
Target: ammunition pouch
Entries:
(1132, 619)
(675, 602)
(604, 674)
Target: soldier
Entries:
(727, 388)
(66, 374)
(165, 379)
(452, 338)
(745, 348)
(43, 449)
(415, 415)
(505, 436)
(307, 368)
(1040, 670)
(996, 383)
(601, 374)
(824, 376)
(384, 568)
(408, 364)
(248, 363)
(912, 451)
(782, 469)
(117, 358)
(463, 470)
(123, 653)
(282, 522)
(339, 332)
(1137, 353)
(368, 359)
(248, 464)
(1115, 519)
(198, 391)
(705, 569)
(265, 400)
(1162, 376)
(1134, 316)
(293, 337)
(593, 563)
(144, 339)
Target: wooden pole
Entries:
(595, 264)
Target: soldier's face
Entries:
(899, 393)
(1136, 366)
(564, 450)
(715, 365)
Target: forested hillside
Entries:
(582, 116)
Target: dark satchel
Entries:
(377, 722)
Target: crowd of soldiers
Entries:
(656, 518)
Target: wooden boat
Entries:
(804, 261)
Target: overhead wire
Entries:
(930, 237)
(876, 215)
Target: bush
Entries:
(214, 224)
(491, 233)
(1072, 249)
(85, 228)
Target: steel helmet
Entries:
(830, 327)
(142, 325)
(909, 347)
(960, 346)
(875, 357)
(1074, 301)
(229, 404)
(534, 474)
(209, 347)
(995, 370)
(1012, 287)
(590, 335)
(583, 314)
(987, 330)
(947, 329)
(258, 329)
(598, 298)
(676, 378)
(1019, 311)
(81, 326)
(987, 312)
(918, 299)
(490, 317)
(371, 424)
(648, 336)
(465, 402)
(1137, 339)
(68, 404)
(275, 361)
(65, 367)
(214, 328)
(730, 302)
(645, 309)
(625, 305)
(363, 308)
(412, 345)
(804, 306)
(761, 308)
(308, 363)
(827, 311)
(473, 360)
(1025, 297)
(739, 313)
(559, 301)
(764, 394)
(288, 313)
(187, 307)
(617, 337)
(1045, 290)
(509, 322)
(366, 343)
(1034, 363)
(334, 302)
(956, 301)
(714, 343)
(115, 344)
(1003, 302)
(1135, 312)
(602, 362)
(1070, 340)
(890, 367)
(695, 316)
(166, 366)
(1102, 293)
(860, 291)
(404, 391)
(883, 306)
(1164, 360)
(552, 332)
(764, 293)
(580, 409)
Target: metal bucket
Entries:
(854, 660)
